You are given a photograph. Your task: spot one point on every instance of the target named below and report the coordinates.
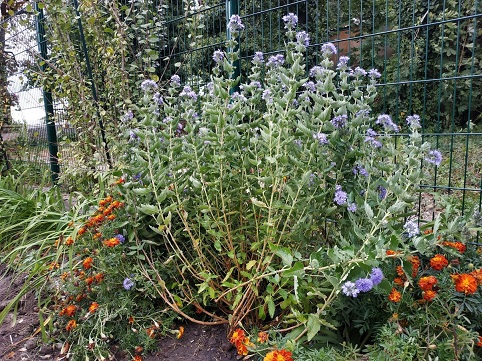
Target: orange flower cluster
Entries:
(478, 275)
(465, 283)
(262, 337)
(278, 355)
(415, 261)
(111, 242)
(68, 311)
(71, 325)
(240, 341)
(93, 307)
(87, 263)
(394, 296)
(427, 283)
(106, 207)
(438, 262)
(459, 246)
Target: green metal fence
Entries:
(429, 54)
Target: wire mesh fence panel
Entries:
(429, 55)
(23, 113)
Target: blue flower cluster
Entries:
(352, 289)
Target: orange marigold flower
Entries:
(151, 331)
(465, 283)
(79, 297)
(478, 275)
(53, 266)
(400, 271)
(137, 358)
(107, 211)
(131, 320)
(428, 231)
(93, 307)
(415, 261)
(459, 246)
(278, 355)
(71, 325)
(180, 333)
(117, 204)
(111, 217)
(97, 235)
(81, 231)
(390, 252)
(111, 242)
(399, 281)
(394, 295)
(68, 311)
(69, 241)
(438, 262)
(262, 337)
(426, 283)
(241, 342)
(138, 349)
(429, 295)
(89, 280)
(64, 276)
(99, 277)
(87, 263)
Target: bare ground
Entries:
(20, 338)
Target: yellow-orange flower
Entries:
(438, 262)
(87, 263)
(429, 295)
(137, 358)
(71, 325)
(394, 295)
(93, 307)
(111, 242)
(459, 246)
(262, 337)
(241, 342)
(478, 275)
(399, 281)
(400, 271)
(68, 311)
(89, 280)
(99, 277)
(465, 283)
(426, 283)
(69, 241)
(415, 261)
(180, 333)
(278, 355)
(81, 231)
(479, 342)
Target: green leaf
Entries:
(271, 306)
(148, 209)
(296, 270)
(141, 191)
(368, 211)
(258, 203)
(250, 264)
(284, 253)
(313, 325)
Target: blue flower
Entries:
(148, 85)
(359, 72)
(340, 196)
(364, 284)
(175, 80)
(127, 116)
(328, 49)
(349, 289)
(303, 38)
(370, 138)
(352, 207)
(374, 74)
(376, 276)
(120, 237)
(358, 169)
(276, 61)
(339, 121)
(188, 92)
(413, 121)
(290, 21)
(411, 228)
(321, 138)
(268, 98)
(158, 99)
(309, 85)
(318, 72)
(386, 121)
(235, 25)
(434, 157)
(342, 63)
(218, 56)
(128, 284)
(258, 58)
(382, 192)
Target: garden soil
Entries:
(20, 337)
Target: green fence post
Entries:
(47, 95)
(232, 8)
(91, 79)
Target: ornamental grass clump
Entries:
(258, 205)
